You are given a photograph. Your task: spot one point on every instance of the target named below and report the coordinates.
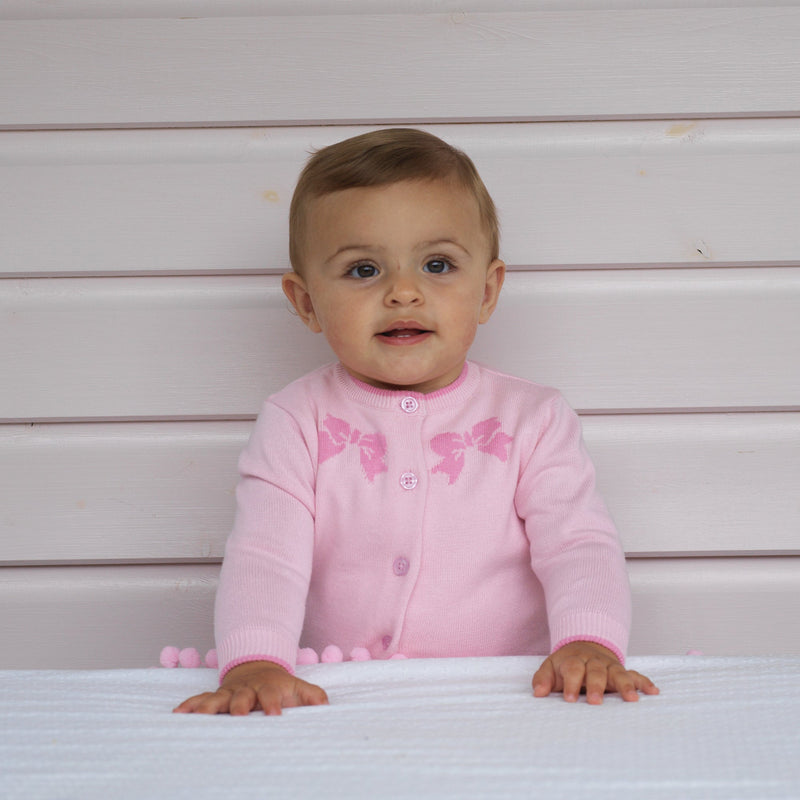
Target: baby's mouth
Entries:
(403, 333)
(404, 329)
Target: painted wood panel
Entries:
(658, 339)
(152, 492)
(569, 194)
(189, 347)
(718, 606)
(155, 347)
(109, 617)
(157, 9)
(156, 492)
(103, 617)
(700, 484)
(565, 64)
(580, 201)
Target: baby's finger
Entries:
(622, 681)
(189, 705)
(544, 679)
(643, 683)
(302, 694)
(271, 701)
(242, 702)
(218, 702)
(573, 673)
(206, 703)
(596, 682)
(308, 694)
(629, 683)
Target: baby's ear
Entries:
(294, 287)
(495, 275)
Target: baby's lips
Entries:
(405, 328)
(403, 332)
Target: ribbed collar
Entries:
(457, 393)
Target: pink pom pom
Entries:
(211, 659)
(189, 657)
(331, 655)
(360, 654)
(169, 657)
(694, 652)
(306, 655)
(397, 657)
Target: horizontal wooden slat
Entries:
(692, 484)
(154, 347)
(718, 606)
(613, 193)
(166, 347)
(103, 617)
(117, 492)
(667, 339)
(154, 492)
(157, 9)
(286, 69)
(107, 617)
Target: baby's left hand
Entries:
(586, 664)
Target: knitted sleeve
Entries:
(265, 575)
(575, 549)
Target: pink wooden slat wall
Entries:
(645, 157)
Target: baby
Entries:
(406, 500)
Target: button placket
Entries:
(409, 481)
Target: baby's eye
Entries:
(363, 271)
(438, 266)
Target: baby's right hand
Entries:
(254, 685)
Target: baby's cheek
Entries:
(335, 333)
(468, 332)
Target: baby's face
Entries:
(397, 278)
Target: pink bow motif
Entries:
(486, 436)
(337, 434)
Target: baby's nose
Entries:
(403, 290)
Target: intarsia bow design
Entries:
(486, 436)
(336, 435)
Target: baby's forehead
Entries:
(428, 209)
(450, 182)
(391, 193)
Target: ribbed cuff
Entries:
(588, 627)
(255, 644)
(594, 640)
(249, 659)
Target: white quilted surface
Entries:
(446, 728)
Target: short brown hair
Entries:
(380, 158)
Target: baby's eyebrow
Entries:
(348, 247)
(437, 242)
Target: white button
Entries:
(409, 404)
(408, 480)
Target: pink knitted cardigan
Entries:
(464, 522)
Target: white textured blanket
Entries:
(445, 728)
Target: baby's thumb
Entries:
(544, 681)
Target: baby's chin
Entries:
(418, 383)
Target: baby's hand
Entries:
(254, 685)
(586, 664)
